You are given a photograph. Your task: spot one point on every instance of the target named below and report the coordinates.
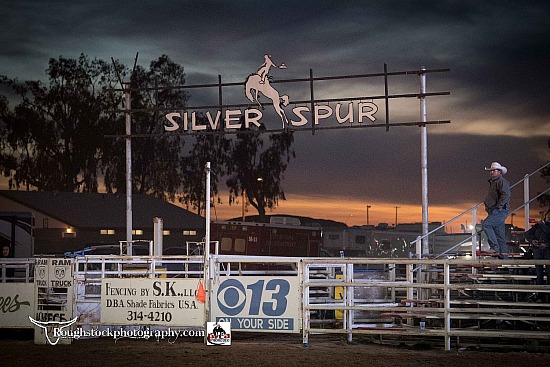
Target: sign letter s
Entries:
(173, 124)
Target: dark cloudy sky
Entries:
(497, 53)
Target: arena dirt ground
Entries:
(261, 351)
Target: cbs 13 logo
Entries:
(233, 297)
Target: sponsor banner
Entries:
(151, 302)
(264, 303)
(53, 273)
(16, 304)
(54, 297)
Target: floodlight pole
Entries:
(207, 262)
(424, 162)
(207, 205)
(368, 207)
(128, 139)
(526, 200)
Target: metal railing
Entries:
(357, 296)
(498, 301)
(16, 270)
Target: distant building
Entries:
(37, 222)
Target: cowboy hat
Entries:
(496, 165)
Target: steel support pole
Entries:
(207, 257)
(128, 140)
(207, 205)
(526, 195)
(424, 162)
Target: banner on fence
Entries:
(263, 303)
(133, 301)
(16, 304)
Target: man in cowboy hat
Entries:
(497, 205)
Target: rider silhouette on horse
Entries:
(264, 69)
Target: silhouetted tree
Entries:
(156, 157)
(55, 137)
(258, 173)
(213, 148)
(50, 139)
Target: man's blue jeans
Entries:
(494, 228)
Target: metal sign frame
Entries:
(312, 102)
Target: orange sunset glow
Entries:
(353, 212)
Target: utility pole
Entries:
(424, 162)
(128, 141)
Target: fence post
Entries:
(447, 304)
(304, 278)
(349, 300)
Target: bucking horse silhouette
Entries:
(259, 83)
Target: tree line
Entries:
(60, 135)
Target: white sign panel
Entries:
(54, 282)
(151, 302)
(54, 289)
(16, 304)
(258, 303)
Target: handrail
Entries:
(530, 174)
(420, 238)
(446, 223)
(530, 201)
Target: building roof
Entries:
(304, 221)
(94, 210)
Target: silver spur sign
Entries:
(257, 87)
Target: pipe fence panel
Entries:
(458, 298)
